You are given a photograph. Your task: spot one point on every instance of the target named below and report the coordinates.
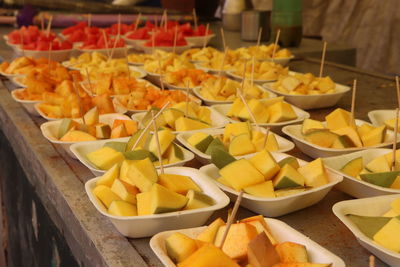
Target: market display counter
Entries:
(49, 218)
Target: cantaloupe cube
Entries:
(164, 200)
(118, 132)
(259, 223)
(239, 236)
(143, 202)
(122, 208)
(140, 173)
(206, 254)
(241, 173)
(187, 124)
(310, 125)
(105, 195)
(165, 138)
(288, 177)
(351, 133)
(236, 107)
(180, 184)
(236, 129)
(179, 246)
(281, 111)
(91, 117)
(131, 126)
(374, 137)
(264, 189)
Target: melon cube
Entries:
(241, 173)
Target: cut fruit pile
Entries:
(377, 171)
(249, 242)
(384, 230)
(135, 189)
(200, 54)
(272, 110)
(262, 176)
(92, 129)
(262, 52)
(304, 84)
(238, 139)
(183, 116)
(340, 132)
(265, 70)
(225, 89)
(186, 77)
(167, 62)
(116, 152)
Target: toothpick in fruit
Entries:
(253, 63)
(278, 34)
(321, 68)
(119, 25)
(396, 126)
(231, 218)
(157, 141)
(175, 37)
(259, 37)
(89, 81)
(137, 21)
(106, 43)
(195, 19)
(89, 20)
(353, 103)
(205, 35)
(187, 99)
(148, 125)
(398, 90)
(223, 38)
(371, 261)
(49, 25)
(266, 138)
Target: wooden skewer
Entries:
(321, 68)
(223, 38)
(398, 90)
(353, 103)
(259, 36)
(266, 138)
(106, 43)
(396, 125)
(49, 55)
(74, 84)
(223, 63)
(252, 72)
(278, 34)
(153, 41)
(127, 62)
(253, 118)
(137, 21)
(42, 22)
(205, 36)
(149, 124)
(187, 99)
(164, 20)
(195, 18)
(89, 20)
(231, 218)
(114, 46)
(49, 25)
(244, 74)
(119, 25)
(161, 75)
(89, 81)
(175, 37)
(158, 142)
(371, 261)
(22, 42)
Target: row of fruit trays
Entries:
(134, 122)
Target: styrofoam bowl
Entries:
(198, 41)
(280, 230)
(18, 81)
(29, 105)
(218, 121)
(50, 129)
(275, 127)
(11, 75)
(376, 207)
(210, 102)
(137, 44)
(378, 117)
(119, 52)
(284, 61)
(178, 49)
(174, 87)
(56, 55)
(316, 151)
(148, 225)
(284, 144)
(80, 150)
(312, 101)
(353, 186)
(279, 206)
(199, 66)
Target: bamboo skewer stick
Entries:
(137, 21)
(252, 72)
(89, 22)
(205, 36)
(175, 37)
(353, 103)
(119, 25)
(127, 62)
(89, 81)
(187, 99)
(49, 26)
(396, 125)
(81, 110)
(222, 63)
(223, 38)
(259, 36)
(158, 142)
(195, 18)
(149, 124)
(266, 138)
(106, 43)
(161, 75)
(231, 218)
(278, 34)
(398, 90)
(371, 261)
(321, 68)
(42, 22)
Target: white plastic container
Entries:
(284, 144)
(50, 129)
(284, 61)
(179, 49)
(148, 225)
(217, 121)
(240, 78)
(316, 151)
(353, 186)
(80, 150)
(119, 52)
(18, 81)
(312, 101)
(210, 102)
(29, 105)
(378, 117)
(279, 206)
(11, 75)
(275, 127)
(56, 55)
(198, 41)
(280, 230)
(376, 207)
